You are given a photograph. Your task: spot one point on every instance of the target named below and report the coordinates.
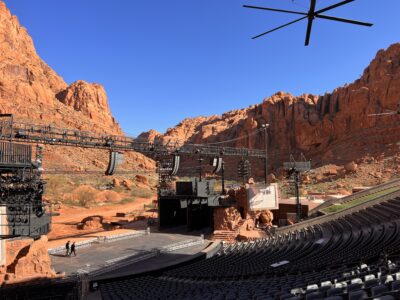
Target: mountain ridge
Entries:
(34, 93)
(320, 126)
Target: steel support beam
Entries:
(32, 133)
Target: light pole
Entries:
(265, 127)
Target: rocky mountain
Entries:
(30, 89)
(331, 128)
(34, 93)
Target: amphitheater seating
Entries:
(340, 259)
(42, 290)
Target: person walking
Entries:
(73, 249)
(67, 249)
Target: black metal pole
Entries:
(200, 168)
(223, 177)
(265, 126)
(297, 191)
(11, 127)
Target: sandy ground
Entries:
(64, 226)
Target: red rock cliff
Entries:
(31, 90)
(34, 93)
(332, 127)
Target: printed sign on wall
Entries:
(262, 197)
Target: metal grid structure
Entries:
(15, 155)
(294, 168)
(32, 133)
(24, 220)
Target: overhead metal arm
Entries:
(333, 6)
(343, 20)
(287, 24)
(311, 17)
(277, 10)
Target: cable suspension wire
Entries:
(236, 139)
(172, 140)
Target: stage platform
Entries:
(96, 256)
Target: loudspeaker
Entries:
(175, 165)
(217, 164)
(184, 188)
(113, 162)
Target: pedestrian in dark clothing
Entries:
(73, 249)
(67, 249)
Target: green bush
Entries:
(55, 184)
(85, 198)
(141, 193)
(127, 200)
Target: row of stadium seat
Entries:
(324, 261)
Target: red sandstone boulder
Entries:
(331, 171)
(272, 178)
(107, 196)
(116, 182)
(31, 260)
(127, 184)
(351, 167)
(226, 218)
(344, 192)
(266, 218)
(91, 223)
(142, 179)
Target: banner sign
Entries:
(262, 197)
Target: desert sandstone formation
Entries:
(335, 127)
(27, 259)
(35, 93)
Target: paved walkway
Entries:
(98, 254)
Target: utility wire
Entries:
(236, 139)
(177, 141)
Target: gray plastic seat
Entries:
(314, 296)
(371, 283)
(358, 295)
(386, 297)
(334, 292)
(379, 290)
(353, 287)
(395, 285)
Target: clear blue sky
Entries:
(164, 60)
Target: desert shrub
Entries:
(111, 196)
(141, 193)
(56, 184)
(119, 189)
(85, 197)
(128, 200)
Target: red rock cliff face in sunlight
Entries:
(333, 127)
(27, 259)
(31, 90)
(34, 93)
(90, 99)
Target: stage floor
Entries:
(95, 256)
